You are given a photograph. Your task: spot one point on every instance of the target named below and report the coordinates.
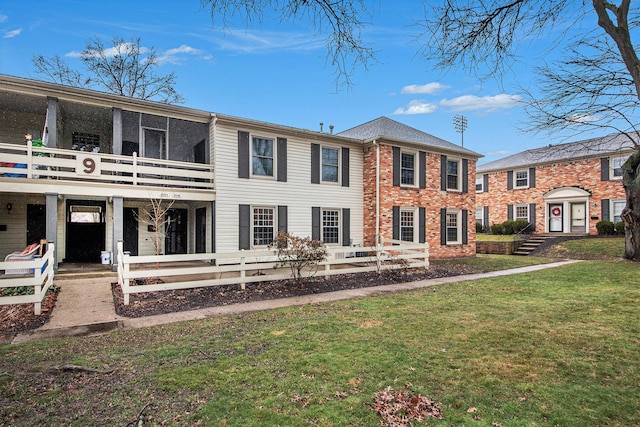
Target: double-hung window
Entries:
(407, 225)
(480, 215)
(264, 225)
(331, 226)
(453, 227)
(453, 174)
(521, 212)
(616, 167)
(479, 184)
(407, 168)
(262, 156)
(521, 179)
(330, 164)
(617, 207)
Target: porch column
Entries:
(52, 224)
(118, 229)
(117, 131)
(52, 122)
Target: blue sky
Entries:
(277, 72)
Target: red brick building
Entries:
(416, 188)
(564, 188)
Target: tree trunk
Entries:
(631, 213)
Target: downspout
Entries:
(375, 143)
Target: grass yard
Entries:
(555, 347)
(484, 237)
(592, 248)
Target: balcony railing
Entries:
(22, 161)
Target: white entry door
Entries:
(555, 218)
(578, 218)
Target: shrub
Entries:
(479, 227)
(508, 227)
(619, 227)
(298, 252)
(496, 229)
(605, 228)
(521, 224)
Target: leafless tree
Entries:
(596, 85)
(340, 21)
(156, 216)
(126, 69)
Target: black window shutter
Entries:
(485, 217)
(281, 162)
(532, 217)
(443, 226)
(421, 224)
(245, 227)
(443, 173)
(605, 208)
(315, 163)
(282, 218)
(345, 167)
(396, 166)
(422, 171)
(510, 180)
(532, 177)
(465, 175)
(465, 226)
(315, 223)
(510, 212)
(604, 169)
(485, 183)
(243, 154)
(396, 223)
(346, 227)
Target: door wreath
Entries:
(556, 211)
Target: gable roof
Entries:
(594, 147)
(393, 131)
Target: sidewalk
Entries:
(81, 313)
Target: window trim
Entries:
(480, 180)
(339, 172)
(612, 168)
(274, 148)
(458, 215)
(416, 168)
(612, 203)
(252, 223)
(415, 227)
(480, 218)
(515, 212)
(515, 178)
(458, 161)
(339, 226)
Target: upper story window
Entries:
(331, 226)
(407, 225)
(521, 179)
(453, 174)
(479, 184)
(262, 156)
(407, 168)
(330, 164)
(155, 143)
(616, 167)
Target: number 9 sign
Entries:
(88, 165)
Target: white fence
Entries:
(244, 267)
(25, 161)
(40, 276)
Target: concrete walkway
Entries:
(85, 306)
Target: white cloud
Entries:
(428, 89)
(12, 34)
(499, 153)
(3, 18)
(582, 118)
(110, 52)
(417, 107)
(173, 55)
(485, 103)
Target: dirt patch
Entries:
(151, 303)
(17, 318)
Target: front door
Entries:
(578, 218)
(86, 230)
(555, 218)
(130, 241)
(176, 235)
(36, 223)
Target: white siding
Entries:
(298, 194)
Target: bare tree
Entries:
(126, 69)
(342, 21)
(156, 216)
(596, 85)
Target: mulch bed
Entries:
(151, 303)
(20, 317)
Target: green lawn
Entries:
(555, 347)
(483, 237)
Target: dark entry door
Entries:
(201, 230)
(130, 241)
(176, 235)
(86, 230)
(36, 223)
